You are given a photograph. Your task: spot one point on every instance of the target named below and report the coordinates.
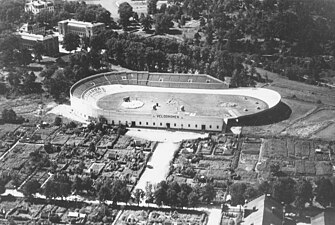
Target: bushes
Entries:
(9, 116)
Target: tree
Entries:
(324, 192)
(171, 197)
(44, 17)
(97, 42)
(161, 193)
(58, 121)
(77, 184)
(152, 6)
(182, 198)
(2, 188)
(138, 194)
(9, 116)
(208, 193)
(58, 84)
(50, 190)
(24, 57)
(125, 12)
(31, 187)
(163, 22)
(58, 186)
(250, 193)
(71, 42)
(283, 190)
(193, 198)
(303, 193)
(38, 50)
(119, 192)
(87, 184)
(48, 147)
(29, 84)
(237, 192)
(103, 16)
(265, 188)
(149, 195)
(146, 22)
(104, 193)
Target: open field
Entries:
(310, 109)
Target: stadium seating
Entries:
(166, 80)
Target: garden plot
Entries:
(249, 155)
(44, 133)
(274, 149)
(123, 142)
(41, 176)
(127, 164)
(160, 217)
(4, 147)
(297, 157)
(75, 140)
(107, 141)
(98, 213)
(28, 134)
(60, 139)
(90, 138)
(25, 211)
(18, 156)
(8, 204)
(7, 132)
(205, 147)
(197, 167)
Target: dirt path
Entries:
(160, 162)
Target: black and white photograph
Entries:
(167, 112)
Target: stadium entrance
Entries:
(133, 123)
(203, 127)
(168, 125)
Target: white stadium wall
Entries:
(85, 94)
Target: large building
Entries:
(83, 29)
(36, 6)
(50, 42)
(33, 28)
(169, 101)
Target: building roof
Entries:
(38, 3)
(327, 217)
(263, 210)
(35, 37)
(77, 23)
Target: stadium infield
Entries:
(194, 103)
(162, 100)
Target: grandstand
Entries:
(180, 101)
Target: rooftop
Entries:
(34, 37)
(77, 23)
(263, 210)
(327, 217)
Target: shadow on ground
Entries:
(277, 114)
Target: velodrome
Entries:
(173, 101)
